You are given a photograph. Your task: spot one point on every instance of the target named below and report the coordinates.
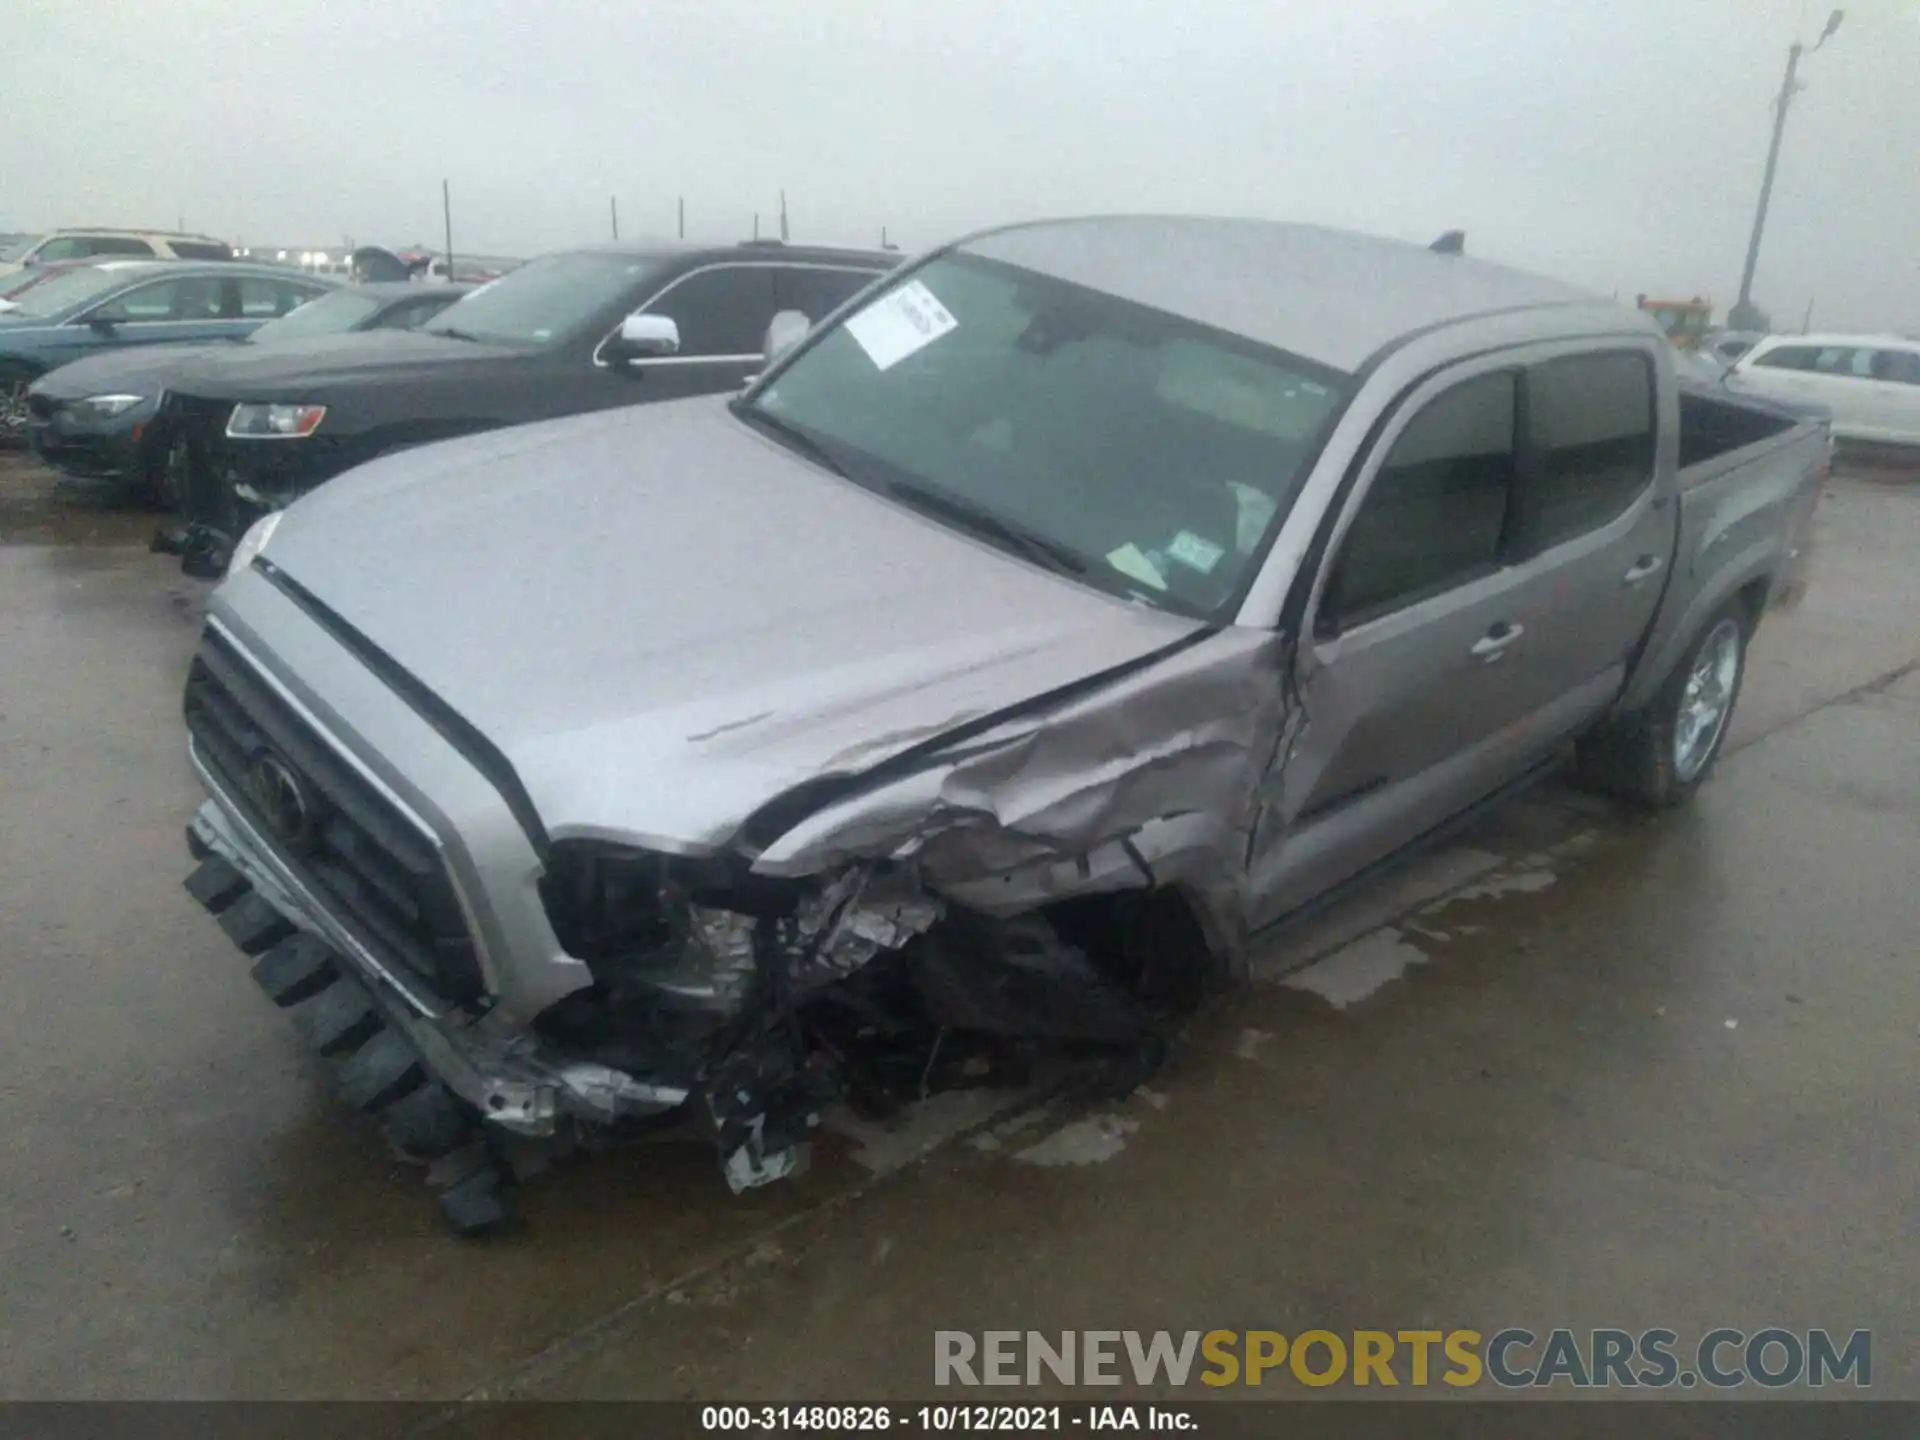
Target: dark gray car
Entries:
(120, 304)
(102, 417)
(549, 338)
(1085, 602)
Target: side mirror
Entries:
(784, 331)
(100, 325)
(644, 337)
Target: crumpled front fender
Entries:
(1152, 780)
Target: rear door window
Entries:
(1844, 360)
(1591, 419)
(199, 250)
(721, 312)
(1435, 516)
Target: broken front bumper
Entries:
(352, 1010)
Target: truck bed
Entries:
(1749, 478)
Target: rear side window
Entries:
(1900, 366)
(200, 250)
(1437, 509)
(1592, 422)
(721, 312)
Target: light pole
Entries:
(1745, 315)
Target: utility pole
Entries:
(783, 216)
(683, 217)
(1806, 320)
(1745, 315)
(613, 208)
(446, 211)
(756, 224)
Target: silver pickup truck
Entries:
(1070, 609)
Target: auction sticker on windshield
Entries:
(905, 319)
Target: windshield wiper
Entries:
(1048, 554)
(790, 435)
(453, 334)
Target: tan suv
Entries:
(81, 244)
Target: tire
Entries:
(163, 484)
(14, 380)
(1660, 755)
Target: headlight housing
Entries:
(253, 542)
(105, 407)
(275, 422)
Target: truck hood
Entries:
(664, 619)
(137, 369)
(328, 364)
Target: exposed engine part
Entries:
(854, 918)
(762, 1098)
(727, 940)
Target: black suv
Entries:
(573, 331)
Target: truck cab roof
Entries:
(1335, 297)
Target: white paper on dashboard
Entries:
(905, 319)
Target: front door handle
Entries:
(1494, 643)
(1641, 569)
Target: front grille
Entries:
(380, 875)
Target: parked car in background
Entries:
(21, 281)
(1730, 345)
(1029, 640)
(105, 417)
(573, 331)
(135, 302)
(84, 244)
(1870, 383)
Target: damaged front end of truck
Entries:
(1066, 875)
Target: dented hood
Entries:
(664, 619)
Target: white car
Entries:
(1871, 383)
(82, 244)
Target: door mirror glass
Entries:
(784, 331)
(645, 337)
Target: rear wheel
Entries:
(1660, 755)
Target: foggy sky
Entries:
(1614, 143)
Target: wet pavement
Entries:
(1581, 1068)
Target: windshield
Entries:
(543, 300)
(1156, 452)
(55, 297)
(333, 314)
